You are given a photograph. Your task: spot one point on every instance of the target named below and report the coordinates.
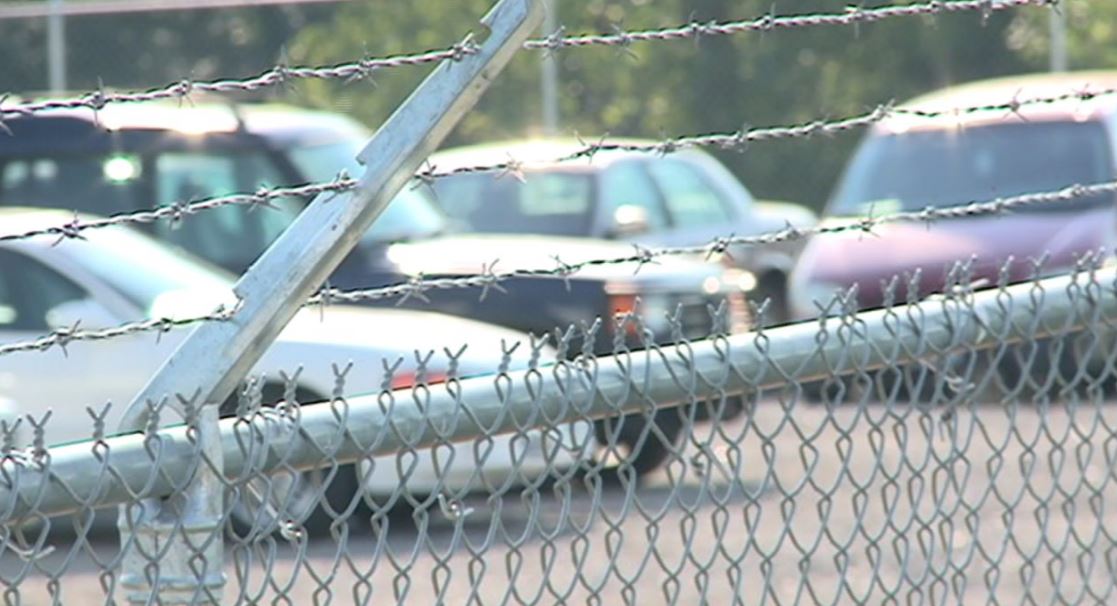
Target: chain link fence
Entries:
(961, 448)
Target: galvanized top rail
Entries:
(364, 68)
(153, 463)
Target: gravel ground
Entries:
(864, 505)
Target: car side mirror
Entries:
(87, 313)
(629, 220)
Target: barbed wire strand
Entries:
(63, 337)
(726, 140)
(278, 75)
(853, 15)
(364, 68)
(740, 139)
(489, 279)
(642, 256)
(181, 210)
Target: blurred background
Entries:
(713, 85)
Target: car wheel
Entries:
(1039, 369)
(907, 383)
(313, 500)
(833, 390)
(643, 449)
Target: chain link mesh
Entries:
(960, 448)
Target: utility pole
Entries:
(1059, 37)
(56, 47)
(550, 73)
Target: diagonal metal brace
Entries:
(216, 356)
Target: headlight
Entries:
(738, 280)
(653, 310)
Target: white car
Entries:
(118, 275)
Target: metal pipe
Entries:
(1058, 38)
(56, 46)
(216, 356)
(549, 75)
(74, 473)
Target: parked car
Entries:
(116, 275)
(126, 159)
(686, 198)
(911, 163)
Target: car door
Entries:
(698, 211)
(626, 188)
(36, 299)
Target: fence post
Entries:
(216, 356)
(191, 571)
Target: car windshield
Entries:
(550, 203)
(101, 185)
(230, 235)
(918, 169)
(411, 214)
(161, 280)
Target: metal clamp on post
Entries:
(216, 356)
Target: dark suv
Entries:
(136, 157)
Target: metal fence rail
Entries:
(937, 451)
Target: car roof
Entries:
(1007, 90)
(16, 220)
(273, 120)
(542, 153)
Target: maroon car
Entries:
(910, 163)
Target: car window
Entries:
(627, 184)
(410, 215)
(29, 290)
(231, 236)
(101, 185)
(691, 200)
(917, 169)
(550, 203)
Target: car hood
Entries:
(471, 254)
(395, 331)
(844, 259)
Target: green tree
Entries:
(144, 50)
(1091, 35)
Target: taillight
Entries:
(620, 306)
(404, 380)
(739, 316)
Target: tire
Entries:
(908, 384)
(307, 504)
(1044, 369)
(653, 452)
(834, 390)
(713, 409)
